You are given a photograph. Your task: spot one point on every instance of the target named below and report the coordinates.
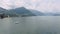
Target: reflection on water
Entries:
(30, 25)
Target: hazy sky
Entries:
(42, 5)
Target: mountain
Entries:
(2, 10)
(52, 14)
(56, 14)
(6, 12)
(22, 12)
(37, 13)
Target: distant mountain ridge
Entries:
(37, 13)
(2, 10)
(21, 11)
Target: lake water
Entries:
(30, 25)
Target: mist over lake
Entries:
(30, 25)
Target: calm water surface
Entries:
(30, 25)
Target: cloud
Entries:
(4, 3)
(45, 5)
(42, 5)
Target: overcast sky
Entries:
(41, 5)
